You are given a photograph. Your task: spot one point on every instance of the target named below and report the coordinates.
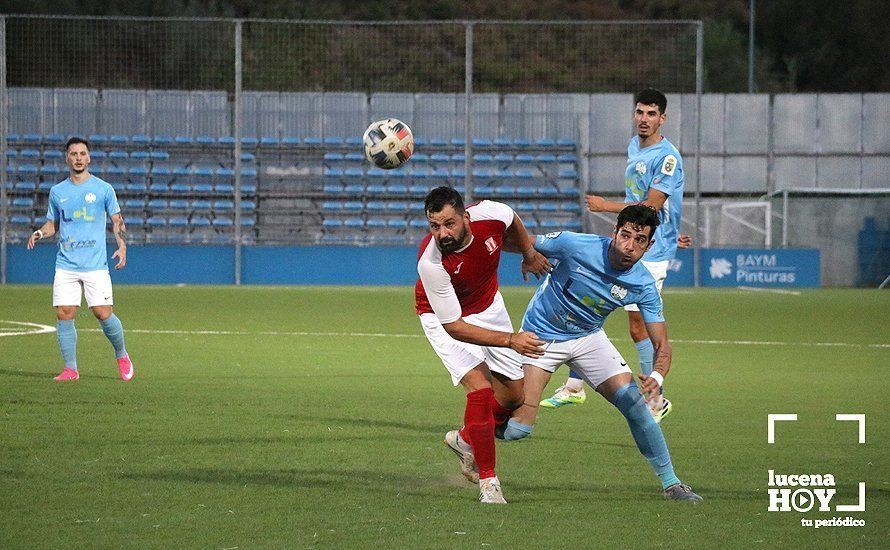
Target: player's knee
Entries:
(514, 430)
(66, 313)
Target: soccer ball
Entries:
(388, 143)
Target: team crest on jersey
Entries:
(669, 165)
(90, 198)
(491, 245)
(552, 235)
(641, 168)
(618, 292)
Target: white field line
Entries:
(43, 329)
(770, 290)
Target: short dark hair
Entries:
(75, 140)
(651, 96)
(439, 197)
(639, 216)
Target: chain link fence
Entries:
(246, 132)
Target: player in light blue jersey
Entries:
(654, 176)
(78, 210)
(594, 276)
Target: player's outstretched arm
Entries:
(120, 235)
(596, 203)
(517, 239)
(48, 230)
(524, 343)
(661, 363)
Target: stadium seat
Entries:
(354, 222)
(223, 223)
(248, 206)
(397, 206)
(203, 188)
(354, 157)
(483, 158)
(548, 207)
(163, 140)
(376, 223)
(375, 189)
(419, 223)
(397, 189)
(397, 223)
(525, 173)
(29, 154)
(157, 221)
(22, 202)
(178, 222)
(46, 185)
(332, 205)
(354, 189)
(332, 188)
(565, 142)
(353, 205)
(54, 154)
(140, 155)
(179, 204)
(545, 142)
(223, 205)
(183, 140)
(25, 186)
(269, 141)
(546, 158)
(157, 204)
(376, 205)
(566, 157)
(20, 220)
(248, 222)
(570, 207)
(118, 154)
(201, 205)
(332, 223)
(224, 188)
(568, 173)
(200, 221)
(136, 187)
(180, 188)
(482, 142)
(134, 204)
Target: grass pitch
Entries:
(314, 417)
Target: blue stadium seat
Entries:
(573, 225)
(502, 142)
(504, 190)
(332, 188)
(353, 140)
(566, 157)
(548, 207)
(157, 221)
(458, 157)
(526, 190)
(354, 157)
(545, 142)
(179, 204)
(416, 206)
(223, 205)
(248, 189)
(397, 223)
(248, 174)
(548, 191)
(333, 140)
(333, 172)
(551, 224)
(20, 220)
(209, 140)
(376, 173)
(25, 186)
(376, 222)
(226, 140)
(291, 141)
(440, 157)
(138, 172)
(97, 154)
(353, 205)
(200, 221)
(269, 140)
(97, 139)
(397, 189)
(332, 223)
(530, 223)
(568, 173)
(354, 188)
(118, 139)
(522, 142)
(248, 222)
(29, 154)
(525, 206)
(312, 141)
(183, 140)
(419, 157)
(437, 142)
(484, 190)
(565, 142)
(45, 185)
(333, 157)
(482, 142)
(483, 173)
(12, 153)
(223, 222)
(137, 187)
(203, 188)
(503, 158)
(54, 154)
(22, 202)
(354, 173)
(570, 207)
(13, 137)
(159, 155)
(140, 139)
(249, 142)
(397, 206)
(163, 140)
(483, 158)
(375, 205)
(419, 222)
(568, 192)
(224, 188)
(375, 189)
(135, 204)
(460, 142)
(503, 174)
(248, 206)
(201, 204)
(546, 158)
(525, 173)
(50, 170)
(418, 190)
(419, 141)
(178, 222)
(180, 188)
(140, 155)
(354, 222)
(157, 204)
(118, 154)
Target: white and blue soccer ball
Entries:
(388, 143)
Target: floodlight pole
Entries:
(468, 120)
(751, 46)
(4, 117)
(237, 135)
(699, 69)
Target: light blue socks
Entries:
(646, 432)
(114, 331)
(67, 335)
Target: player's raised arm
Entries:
(661, 363)
(517, 239)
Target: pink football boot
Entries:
(67, 374)
(125, 366)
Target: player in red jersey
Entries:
(465, 321)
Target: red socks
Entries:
(500, 413)
(478, 429)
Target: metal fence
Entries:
(277, 97)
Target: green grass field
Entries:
(314, 417)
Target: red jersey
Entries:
(464, 282)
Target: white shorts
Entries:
(96, 286)
(460, 357)
(659, 271)
(592, 356)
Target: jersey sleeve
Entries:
(52, 209)
(439, 290)
(554, 245)
(491, 210)
(651, 306)
(111, 205)
(668, 174)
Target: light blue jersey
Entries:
(658, 167)
(583, 289)
(79, 211)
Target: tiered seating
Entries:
(181, 188)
